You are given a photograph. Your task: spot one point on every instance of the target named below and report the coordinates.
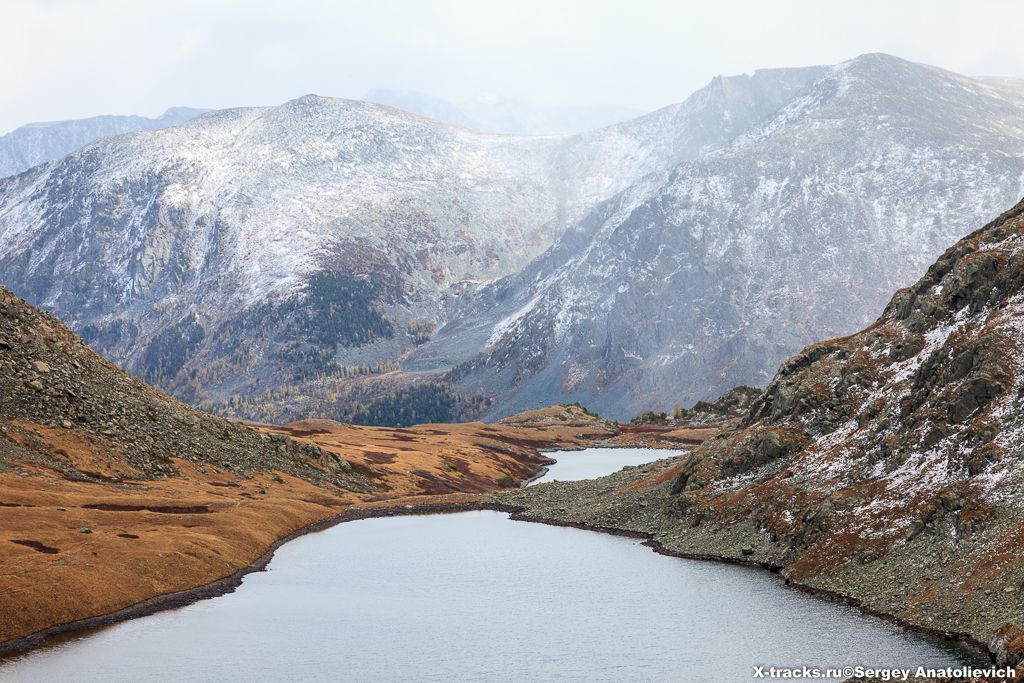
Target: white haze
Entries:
(74, 58)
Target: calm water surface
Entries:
(477, 597)
(597, 462)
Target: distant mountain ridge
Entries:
(332, 231)
(324, 251)
(677, 289)
(36, 143)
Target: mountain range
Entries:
(35, 143)
(296, 259)
(798, 229)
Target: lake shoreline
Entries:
(150, 551)
(521, 514)
(224, 585)
(544, 469)
(229, 583)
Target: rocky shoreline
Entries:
(627, 504)
(650, 541)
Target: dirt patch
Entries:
(164, 509)
(379, 458)
(36, 545)
(402, 437)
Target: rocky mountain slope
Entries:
(36, 143)
(50, 380)
(678, 288)
(255, 248)
(883, 467)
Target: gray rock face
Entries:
(679, 288)
(37, 143)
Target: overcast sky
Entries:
(73, 58)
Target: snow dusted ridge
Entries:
(798, 229)
(152, 243)
(36, 143)
(652, 262)
(276, 188)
